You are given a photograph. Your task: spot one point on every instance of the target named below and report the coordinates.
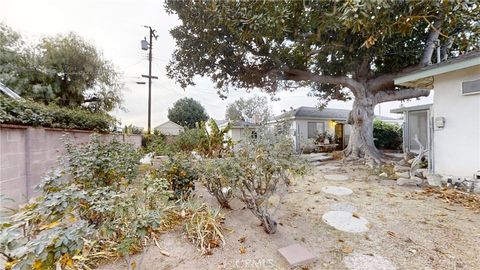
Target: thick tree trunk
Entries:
(360, 144)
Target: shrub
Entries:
(188, 140)
(131, 129)
(25, 112)
(266, 163)
(157, 144)
(180, 175)
(387, 136)
(214, 142)
(101, 164)
(220, 177)
(103, 210)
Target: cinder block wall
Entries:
(28, 153)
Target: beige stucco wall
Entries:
(27, 153)
(456, 147)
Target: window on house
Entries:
(315, 128)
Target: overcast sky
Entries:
(116, 28)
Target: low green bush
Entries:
(387, 136)
(189, 140)
(25, 112)
(103, 209)
(180, 175)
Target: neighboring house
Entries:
(305, 123)
(238, 128)
(450, 127)
(169, 128)
(4, 90)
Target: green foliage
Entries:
(260, 169)
(254, 108)
(387, 136)
(214, 141)
(96, 164)
(266, 164)
(187, 112)
(24, 112)
(64, 69)
(261, 44)
(188, 140)
(104, 209)
(131, 129)
(220, 176)
(180, 175)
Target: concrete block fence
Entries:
(27, 153)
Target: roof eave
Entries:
(424, 78)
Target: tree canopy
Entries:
(254, 109)
(338, 49)
(248, 44)
(187, 112)
(64, 69)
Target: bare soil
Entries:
(412, 232)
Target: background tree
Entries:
(187, 112)
(255, 108)
(66, 70)
(337, 49)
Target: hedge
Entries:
(387, 136)
(25, 112)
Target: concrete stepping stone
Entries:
(336, 177)
(346, 221)
(342, 206)
(296, 255)
(358, 261)
(337, 191)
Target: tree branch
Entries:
(430, 43)
(302, 75)
(400, 94)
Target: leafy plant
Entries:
(387, 136)
(102, 164)
(220, 176)
(131, 129)
(102, 209)
(266, 164)
(214, 141)
(180, 175)
(25, 112)
(188, 140)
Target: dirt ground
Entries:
(412, 232)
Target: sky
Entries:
(116, 27)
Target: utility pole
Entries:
(148, 45)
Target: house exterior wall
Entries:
(28, 153)
(169, 128)
(300, 126)
(456, 147)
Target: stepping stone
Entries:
(357, 261)
(343, 206)
(346, 221)
(338, 191)
(336, 177)
(296, 255)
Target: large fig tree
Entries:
(339, 49)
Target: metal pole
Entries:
(150, 45)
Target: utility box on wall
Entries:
(440, 122)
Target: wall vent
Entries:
(471, 87)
